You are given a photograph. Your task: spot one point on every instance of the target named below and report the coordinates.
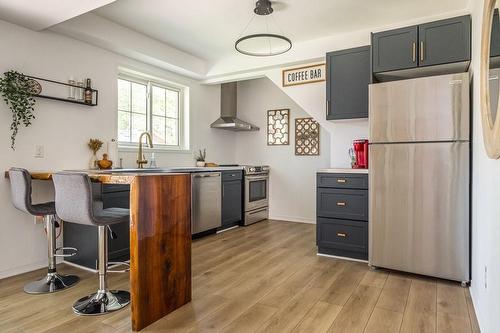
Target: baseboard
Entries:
(69, 263)
(293, 219)
(23, 269)
(343, 258)
(475, 305)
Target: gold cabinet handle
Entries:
(414, 52)
(341, 234)
(341, 181)
(422, 52)
(341, 204)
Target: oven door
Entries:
(256, 191)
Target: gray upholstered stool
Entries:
(20, 181)
(74, 204)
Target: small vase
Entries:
(200, 163)
(93, 162)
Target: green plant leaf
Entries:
(17, 92)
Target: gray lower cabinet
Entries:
(342, 215)
(84, 237)
(232, 198)
(348, 76)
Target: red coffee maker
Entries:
(360, 154)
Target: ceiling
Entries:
(41, 14)
(208, 29)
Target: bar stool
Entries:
(74, 204)
(20, 181)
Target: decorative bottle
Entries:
(88, 93)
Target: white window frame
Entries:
(182, 128)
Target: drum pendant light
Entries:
(263, 44)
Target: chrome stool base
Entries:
(101, 303)
(51, 283)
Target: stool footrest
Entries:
(73, 252)
(118, 263)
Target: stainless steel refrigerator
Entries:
(419, 176)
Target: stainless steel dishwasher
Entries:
(205, 201)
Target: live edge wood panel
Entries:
(435, 43)
(347, 80)
(160, 246)
(342, 215)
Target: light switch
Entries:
(39, 151)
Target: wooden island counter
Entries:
(160, 244)
(160, 240)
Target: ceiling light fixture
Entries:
(263, 44)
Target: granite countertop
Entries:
(120, 176)
(163, 170)
(343, 170)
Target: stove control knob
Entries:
(252, 169)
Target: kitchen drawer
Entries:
(232, 175)
(342, 203)
(342, 180)
(342, 237)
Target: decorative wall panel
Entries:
(306, 137)
(278, 127)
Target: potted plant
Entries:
(17, 91)
(200, 158)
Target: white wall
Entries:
(64, 128)
(292, 178)
(485, 206)
(312, 98)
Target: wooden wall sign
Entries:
(304, 74)
(278, 127)
(306, 137)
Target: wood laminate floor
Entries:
(262, 278)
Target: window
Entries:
(152, 107)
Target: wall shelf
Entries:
(95, 93)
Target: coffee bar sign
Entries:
(304, 74)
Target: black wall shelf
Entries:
(95, 93)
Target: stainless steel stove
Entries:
(256, 193)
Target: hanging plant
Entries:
(17, 91)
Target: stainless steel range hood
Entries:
(228, 114)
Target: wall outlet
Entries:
(39, 151)
(485, 277)
(38, 219)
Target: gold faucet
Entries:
(141, 160)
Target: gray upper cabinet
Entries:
(395, 49)
(348, 77)
(495, 36)
(445, 41)
(436, 43)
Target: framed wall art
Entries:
(306, 137)
(278, 127)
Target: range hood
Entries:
(228, 108)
